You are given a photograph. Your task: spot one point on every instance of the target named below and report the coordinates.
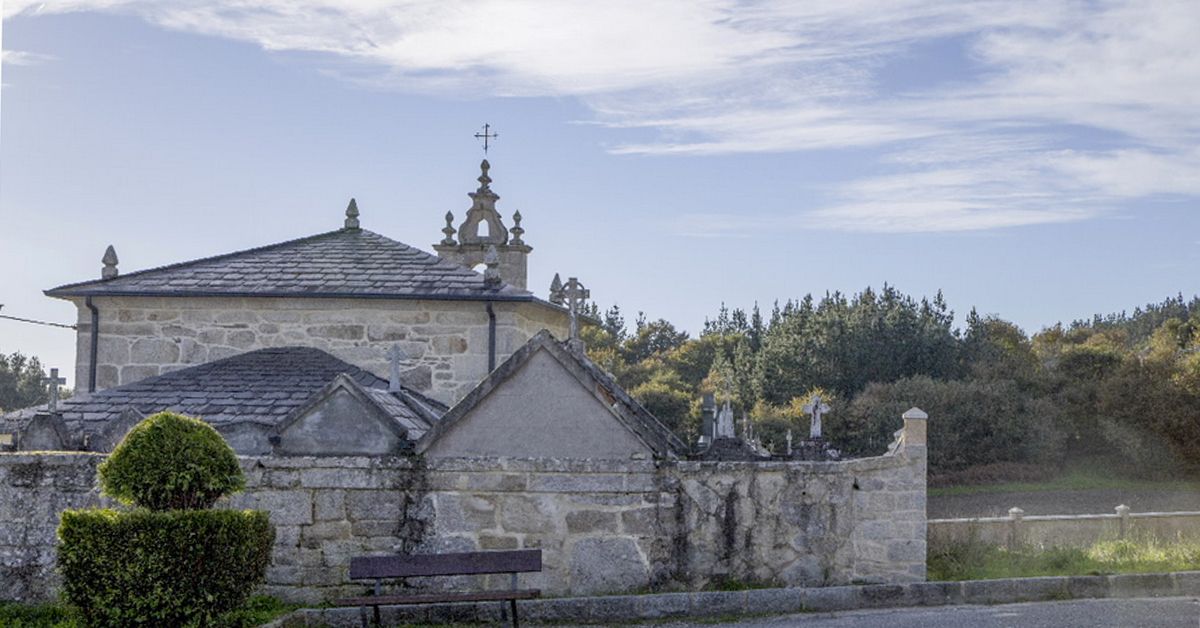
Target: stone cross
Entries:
(816, 408)
(54, 381)
(395, 354)
(574, 295)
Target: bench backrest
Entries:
(453, 564)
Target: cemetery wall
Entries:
(1016, 529)
(604, 526)
(446, 341)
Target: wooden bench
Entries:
(379, 568)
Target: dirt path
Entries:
(1097, 501)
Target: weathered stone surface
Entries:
(600, 565)
(143, 337)
(688, 527)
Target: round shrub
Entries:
(174, 568)
(170, 461)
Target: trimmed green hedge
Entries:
(170, 461)
(175, 568)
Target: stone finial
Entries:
(556, 290)
(491, 275)
(352, 215)
(517, 231)
(110, 263)
(449, 230)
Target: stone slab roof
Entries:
(343, 263)
(264, 387)
(658, 437)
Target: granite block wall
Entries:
(445, 341)
(604, 526)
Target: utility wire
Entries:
(35, 322)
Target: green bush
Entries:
(174, 568)
(971, 422)
(170, 461)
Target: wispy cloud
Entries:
(21, 57)
(1058, 111)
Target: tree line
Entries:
(1124, 388)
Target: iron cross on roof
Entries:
(486, 136)
(54, 381)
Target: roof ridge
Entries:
(201, 260)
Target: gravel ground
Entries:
(1096, 501)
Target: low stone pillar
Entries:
(1016, 518)
(914, 427)
(1122, 521)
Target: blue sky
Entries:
(1036, 160)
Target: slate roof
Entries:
(342, 263)
(660, 439)
(264, 387)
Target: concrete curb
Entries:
(707, 604)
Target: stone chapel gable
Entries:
(550, 400)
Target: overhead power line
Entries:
(34, 322)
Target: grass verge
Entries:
(975, 561)
(1081, 476)
(259, 610)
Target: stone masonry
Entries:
(604, 526)
(445, 343)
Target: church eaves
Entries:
(349, 262)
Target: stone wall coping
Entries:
(563, 465)
(708, 604)
(46, 457)
(1139, 515)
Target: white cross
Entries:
(54, 381)
(816, 409)
(395, 354)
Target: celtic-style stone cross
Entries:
(395, 354)
(54, 381)
(816, 408)
(573, 294)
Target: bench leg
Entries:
(378, 621)
(513, 605)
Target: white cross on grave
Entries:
(395, 354)
(816, 408)
(54, 381)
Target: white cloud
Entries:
(1059, 111)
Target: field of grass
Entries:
(1080, 476)
(980, 562)
(259, 610)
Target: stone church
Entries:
(341, 343)
(389, 400)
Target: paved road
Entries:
(1099, 501)
(1129, 613)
